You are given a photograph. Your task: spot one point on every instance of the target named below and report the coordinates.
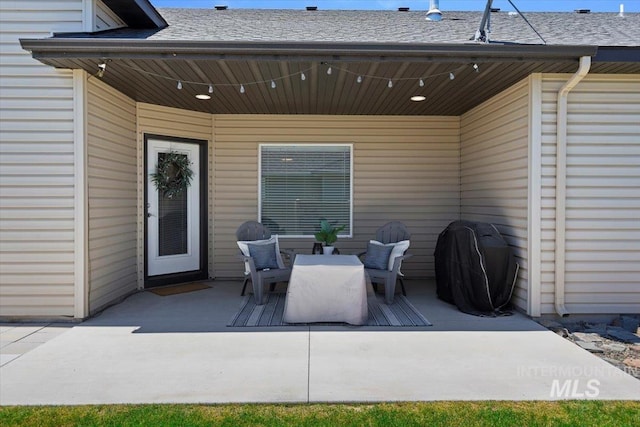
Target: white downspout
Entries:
(561, 181)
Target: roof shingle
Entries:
(271, 25)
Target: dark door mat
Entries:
(179, 289)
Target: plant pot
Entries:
(328, 250)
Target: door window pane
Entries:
(172, 222)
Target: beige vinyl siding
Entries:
(603, 194)
(36, 164)
(166, 121)
(105, 18)
(405, 168)
(112, 194)
(494, 172)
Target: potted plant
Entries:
(328, 235)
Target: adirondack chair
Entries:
(395, 235)
(265, 265)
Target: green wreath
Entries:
(173, 174)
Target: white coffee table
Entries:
(327, 288)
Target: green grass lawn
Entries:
(467, 414)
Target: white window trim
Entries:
(285, 144)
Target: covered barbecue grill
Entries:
(475, 268)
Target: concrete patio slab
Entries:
(152, 349)
(91, 365)
(17, 333)
(6, 358)
(458, 365)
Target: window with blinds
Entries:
(302, 184)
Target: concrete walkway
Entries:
(152, 349)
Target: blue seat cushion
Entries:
(377, 257)
(264, 255)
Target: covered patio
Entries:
(424, 163)
(441, 126)
(153, 349)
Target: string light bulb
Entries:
(421, 83)
(241, 88)
(329, 71)
(210, 88)
(273, 84)
(451, 76)
(476, 68)
(179, 85)
(101, 69)
(302, 76)
(390, 84)
(359, 79)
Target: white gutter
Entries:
(561, 181)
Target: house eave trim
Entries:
(137, 13)
(618, 54)
(175, 49)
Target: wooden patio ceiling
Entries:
(154, 81)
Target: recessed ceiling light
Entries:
(203, 96)
(418, 98)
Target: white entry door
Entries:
(173, 224)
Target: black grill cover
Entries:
(475, 268)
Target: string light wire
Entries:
(302, 73)
(390, 82)
(212, 85)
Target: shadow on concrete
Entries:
(209, 310)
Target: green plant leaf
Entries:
(328, 234)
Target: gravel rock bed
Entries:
(617, 342)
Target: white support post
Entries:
(88, 16)
(141, 208)
(535, 196)
(81, 258)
